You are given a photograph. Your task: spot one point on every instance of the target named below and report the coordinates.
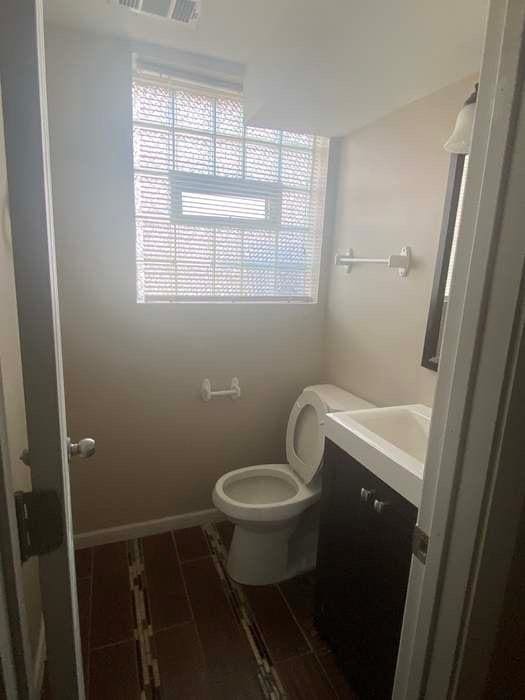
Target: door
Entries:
(471, 412)
(25, 125)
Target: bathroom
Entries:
(186, 587)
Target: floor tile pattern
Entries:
(267, 675)
(160, 620)
(147, 664)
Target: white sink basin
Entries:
(390, 442)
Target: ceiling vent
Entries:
(185, 12)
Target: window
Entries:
(224, 211)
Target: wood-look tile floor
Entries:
(204, 637)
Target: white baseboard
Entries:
(39, 661)
(148, 527)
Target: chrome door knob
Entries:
(380, 506)
(366, 495)
(83, 448)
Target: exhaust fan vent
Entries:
(185, 12)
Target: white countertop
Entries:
(389, 442)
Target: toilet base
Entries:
(265, 553)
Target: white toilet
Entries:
(275, 534)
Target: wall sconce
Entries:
(461, 138)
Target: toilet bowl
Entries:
(273, 506)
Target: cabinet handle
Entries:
(380, 506)
(367, 495)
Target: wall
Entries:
(13, 391)
(132, 371)
(301, 55)
(392, 185)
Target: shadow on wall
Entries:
(391, 191)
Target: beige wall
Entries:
(391, 191)
(13, 390)
(132, 371)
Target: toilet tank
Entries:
(336, 399)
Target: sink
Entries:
(390, 442)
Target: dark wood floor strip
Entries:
(236, 595)
(298, 593)
(84, 562)
(282, 634)
(112, 615)
(191, 543)
(304, 679)
(225, 647)
(167, 595)
(114, 674)
(336, 677)
(181, 661)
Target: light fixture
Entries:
(461, 138)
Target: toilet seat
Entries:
(237, 493)
(276, 492)
(305, 435)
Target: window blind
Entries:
(223, 211)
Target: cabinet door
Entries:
(394, 528)
(363, 566)
(345, 559)
(387, 585)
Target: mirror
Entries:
(445, 260)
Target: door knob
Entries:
(83, 448)
(366, 495)
(380, 506)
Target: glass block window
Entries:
(223, 211)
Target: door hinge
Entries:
(39, 520)
(420, 544)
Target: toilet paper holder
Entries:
(234, 392)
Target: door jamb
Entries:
(469, 409)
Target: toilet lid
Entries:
(305, 435)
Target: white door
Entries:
(25, 126)
(477, 370)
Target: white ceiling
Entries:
(329, 66)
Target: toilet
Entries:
(273, 506)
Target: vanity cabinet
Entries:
(362, 571)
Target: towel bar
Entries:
(400, 262)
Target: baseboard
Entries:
(39, 661)
(148, 527)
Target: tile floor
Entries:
(160, 619)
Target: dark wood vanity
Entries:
(362, 571)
